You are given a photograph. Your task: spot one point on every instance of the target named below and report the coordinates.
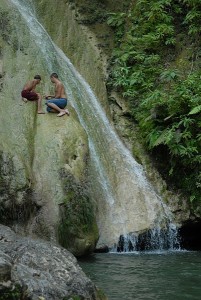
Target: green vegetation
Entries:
(5, 25)
(12, 293)
(72, 297)
(6, 30)
(101, 295)
(91, 11)
(156, 66)
(77, 216)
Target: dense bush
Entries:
(157, 67)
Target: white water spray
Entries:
(126, 202)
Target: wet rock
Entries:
(35, 269)
(102, 249)
(5, 267)
(36, 149)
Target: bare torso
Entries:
(30, 85)
(59, 90)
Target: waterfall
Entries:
(126, 203)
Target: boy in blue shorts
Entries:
(57, 103)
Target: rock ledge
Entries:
(34, 269)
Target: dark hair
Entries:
(55, 75)
(37, 77)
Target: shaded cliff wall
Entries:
(40, 155)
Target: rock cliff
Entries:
(87, 40)
(43, 159)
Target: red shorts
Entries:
(29, 95)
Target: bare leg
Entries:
(62, 112)
(53, 111)
(39, 103)
(67, 111)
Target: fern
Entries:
(164, 95)
(195, 110)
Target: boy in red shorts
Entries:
(29, 93)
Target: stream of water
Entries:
(126, 201)
(147, 276)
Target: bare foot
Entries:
(41, 113)
(24, 99)
(67, 112)
(62, 113)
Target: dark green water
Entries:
(146, 276)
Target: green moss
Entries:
(13, 293)
(5, 26)
(14, 198)
(72, 297)
(101, 295)
(77, 230)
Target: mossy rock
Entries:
(14, 292)
(77, 229)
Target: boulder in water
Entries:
(34, 269)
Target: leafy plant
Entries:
(164, 95)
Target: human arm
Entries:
(49, 97)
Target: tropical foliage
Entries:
(156, 66)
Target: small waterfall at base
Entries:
(156, 239)
(126, 203)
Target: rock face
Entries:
(44, 159)
(80, 44)
(40, 155)
(32, 269)
(131, 210)
(91, 41)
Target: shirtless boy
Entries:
(29, 93)
(58, 101)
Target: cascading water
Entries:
(126, 204)
(156, 239)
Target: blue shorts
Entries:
(60, 102)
